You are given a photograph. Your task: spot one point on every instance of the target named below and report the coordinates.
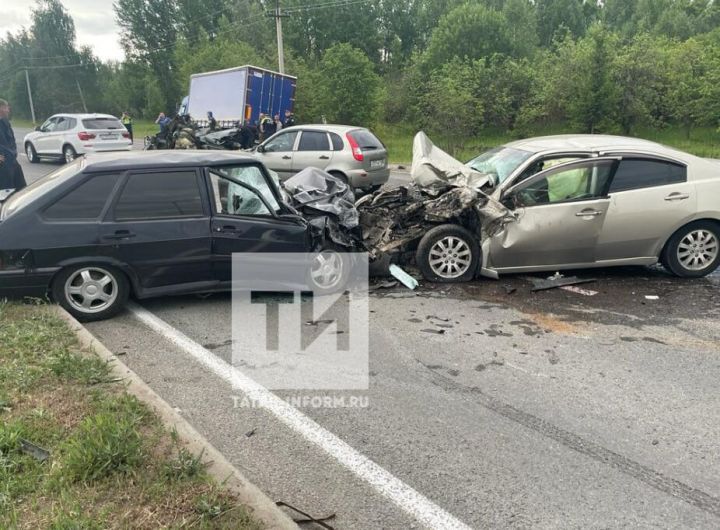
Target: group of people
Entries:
(11, 174)
(269, 126)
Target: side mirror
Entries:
(38, 129)
(260, 148)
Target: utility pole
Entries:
(32, 108)
(278, 28)
(82, 98)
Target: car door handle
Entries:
(225, 228)
(323, 157)
(286, 157)
(677, 196)
(119, 234)
(588, 213)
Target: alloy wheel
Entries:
(450, 257)
(91, 289)
(698, 250)
(327, 269)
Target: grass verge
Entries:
(78, 452)
(702, 141)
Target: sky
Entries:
(94, 24)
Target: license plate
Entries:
(109, 136)
(377, 164)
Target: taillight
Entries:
(356, 151)
(85, 136)
(126, 135)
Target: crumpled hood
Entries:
(431, 164)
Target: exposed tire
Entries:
(31, 154)
(69, 154)
(329, 272)
(448, 253)
(91, 292)
(694, 250)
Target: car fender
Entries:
(711, 215)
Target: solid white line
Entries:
(415, 504)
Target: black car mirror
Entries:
(260, 148)
(38, 129)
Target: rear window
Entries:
(85, 202)
(634, 174)
(366, 140)
(20, 199)
(102, 123)
(160, 196)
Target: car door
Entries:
(56, 138)
(159, 226)
(277, 153)
(44, 139)
(246, 208)
(559, 214)
(313, 150)
(649, 199)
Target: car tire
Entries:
(91, 292)
(447, 254)
(694, 250)
(69, 154)
(341, 176)
(329, 272)
(31, 154)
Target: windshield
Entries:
(502, 161)
(18, 200)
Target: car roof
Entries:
(339, 129)
(594, 143)
(82, 116)
(121, 161)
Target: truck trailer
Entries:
(239, 94)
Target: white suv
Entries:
(66, 136)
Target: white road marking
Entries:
(412, 502)
(578, 290)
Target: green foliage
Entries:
(350, 90)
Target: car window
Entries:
(576, 183)
(633, 174)
(366, 140)
(544, 164)
(231, 198)
(20, 199)
(63, 124)
(281, 143)
(160, 196)
(102, 123)
(85, 201)
(72, 123)
(49, 125)
(337, 142)
(314, 141)
(500, 161)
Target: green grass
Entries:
(703, 141)
(112, 464)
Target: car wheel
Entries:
(448, 253)
(91, 292)
(69, 154)
(329, 272)
(694, 250)
(339, 175)
(32, 155)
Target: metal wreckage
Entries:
(390, 224)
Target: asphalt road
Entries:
(490, 406)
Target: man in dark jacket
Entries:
(11, 174)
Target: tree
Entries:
(559, 17)
(149, 37)
(469, 32)
(350, 90)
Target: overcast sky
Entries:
(94, 23)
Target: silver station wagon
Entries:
(353, 154)
(583, 201)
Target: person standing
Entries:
(127, 121)
(289, 119)
(11, 174)
(278, 123)
(268, 126)
(163, 121)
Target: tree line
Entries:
(450, 66)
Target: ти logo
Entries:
(301, 320)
